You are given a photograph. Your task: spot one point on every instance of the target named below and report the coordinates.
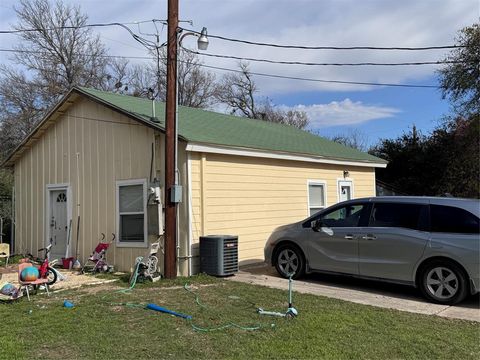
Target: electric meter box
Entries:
(176, 194)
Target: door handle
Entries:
(349, 237)
(369, 237)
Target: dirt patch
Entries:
(71, 279)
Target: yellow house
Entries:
(92, 164)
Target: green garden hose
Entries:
(217, 328)
(133, 281)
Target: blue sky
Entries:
(376, 112)
(422, 107)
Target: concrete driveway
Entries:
(391, 296)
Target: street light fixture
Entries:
(203, 40)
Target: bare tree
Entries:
(19, 108)
(61, 52)
(196, 86)
(118, 77)
(140, 79)
(266, 110)
(238, 91)
(55, 52)
(353, 138)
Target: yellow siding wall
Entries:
(110, 147)
(249, 197)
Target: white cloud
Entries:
(343, 113)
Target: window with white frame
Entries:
(131, 212)
(316, 196)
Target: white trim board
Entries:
(216, 149)
(352, 188)
(316, 182)
(190, 213)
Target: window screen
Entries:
(131, 198)
(316, 197)
(131, 228)
(398, 215)
(450, 219)
(131, 213)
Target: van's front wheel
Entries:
(289, 260)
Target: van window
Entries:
(346, 216)
(449, 219)
(408, 216)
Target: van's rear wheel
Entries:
(289, 260)
(443, 282)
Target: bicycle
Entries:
(45, 268)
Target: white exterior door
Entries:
(344, 190)
(58, 223)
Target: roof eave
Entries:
(253, 152)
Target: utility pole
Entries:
(170, 135)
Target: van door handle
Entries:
(369, 237)
(349, 237)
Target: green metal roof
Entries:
(212, 128)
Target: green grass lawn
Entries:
(99, 326)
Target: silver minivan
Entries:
(429, 242)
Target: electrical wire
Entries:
(100, 56)
(345, 82)
(81, 26)
(320, 64)
(302, 47)
(420, 48)
(322, 80)
(146, 43)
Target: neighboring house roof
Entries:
(212, 128)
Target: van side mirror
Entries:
(316, 225)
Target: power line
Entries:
(147, 43)
(100, 56)
(322, 80)
(256, 73)
(80, 27)
(321, 64)
(154, 46)
(397, 48)
(420, 48)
